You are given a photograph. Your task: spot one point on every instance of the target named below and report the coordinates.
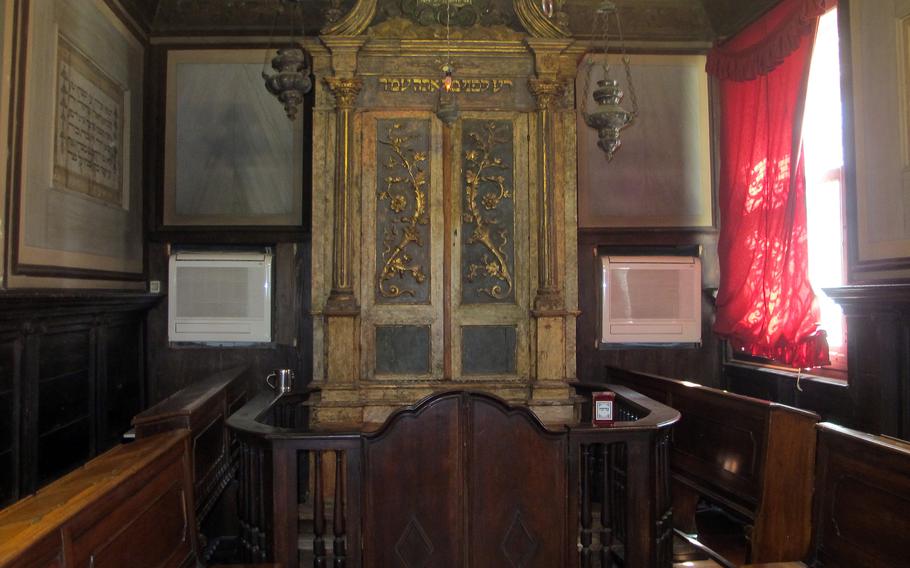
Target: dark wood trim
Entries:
(40, 303)
(80, 273)
(883, 295)
(230, 235)
(17, 100)
(618, 233)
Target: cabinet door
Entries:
(490, 208)
(401, 257)
(445, 267)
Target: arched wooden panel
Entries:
(516, 489)
(413, 483)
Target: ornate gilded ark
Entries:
(440, 250)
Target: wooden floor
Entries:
(697, 564)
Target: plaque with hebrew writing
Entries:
(88, 129)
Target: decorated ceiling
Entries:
(643, 20)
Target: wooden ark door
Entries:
(465, 481)
(446, 260)
(401, 257)
(490, 262)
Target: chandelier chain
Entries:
(627, 66)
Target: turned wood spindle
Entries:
(339, 552)
(586, 518)
(606, 533)
(319, 560)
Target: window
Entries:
(823, 147)
(823, 152)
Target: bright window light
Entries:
(822, 142)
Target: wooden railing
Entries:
(618, 512)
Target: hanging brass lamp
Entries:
(291, 80)
(609, 118)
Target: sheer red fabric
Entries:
(765, 305)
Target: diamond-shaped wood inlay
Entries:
(414, 548)
(518, 545)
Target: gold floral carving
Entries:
(487, 189)
(405, 231)
(345, 91)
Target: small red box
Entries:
(602, 408)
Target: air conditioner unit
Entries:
(650, 300)
(220, 297)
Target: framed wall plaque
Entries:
(231, 156)
(77, 186)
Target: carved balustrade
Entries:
(459, 467)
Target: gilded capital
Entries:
(345, 90)
(546, 91)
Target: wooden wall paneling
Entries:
(831, 399)
(28, 405)
(702, 364)
(10, 381)
(59, 354)
(121, 351)
(65, 397)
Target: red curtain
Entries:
(765, 305)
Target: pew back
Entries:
(752, 456)
(132, 506)
(863, 500)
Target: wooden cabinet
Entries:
(132, 506)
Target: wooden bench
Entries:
(862, 501)
(753, 457)
(131, 506)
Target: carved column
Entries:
(549, 296)
(553, 312)
(345, 91)
(342, 311)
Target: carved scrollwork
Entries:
(404, 179)
(486, 190)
